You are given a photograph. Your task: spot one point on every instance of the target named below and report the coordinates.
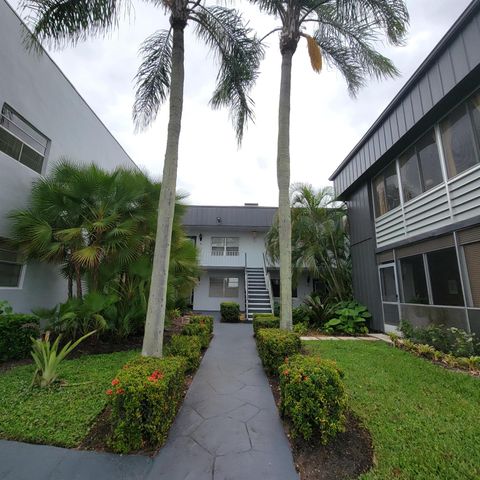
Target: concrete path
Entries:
(227, 429)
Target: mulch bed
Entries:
(347, 456)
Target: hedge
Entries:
(274, 345)
(144, 399)
(189, 347)
(202, 330)
(230, 312)
(313, 397)
(15, 332)
(264, 320)
(203, 320)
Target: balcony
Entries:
(223, 259)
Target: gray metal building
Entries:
(412, 185)
(42, 119)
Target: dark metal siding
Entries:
(365, 276)
(457, 55)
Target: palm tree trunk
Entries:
(78, 281)
(155, 322)
(70, 286)
(283, 179)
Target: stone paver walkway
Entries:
(227, 429)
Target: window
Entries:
(414, 282)
(225, 246)
(275, 283)
(389, 287)
(458, 136)
(21, 141)
(224, 287)
(385, 190)
(445, 277)
(420, 167)
(472, 259)
(10, 265)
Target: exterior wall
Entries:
(304, 287)
(448, 66)
(34, 86)
(203, 302)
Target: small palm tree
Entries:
(161, 75)
(344, 33)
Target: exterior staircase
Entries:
(258, 299)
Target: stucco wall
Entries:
(34, 86)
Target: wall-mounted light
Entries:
(254, 234)
(219, 219)
(200, 237)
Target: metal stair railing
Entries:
(268, 283)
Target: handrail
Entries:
(268, 283)
(245, 287)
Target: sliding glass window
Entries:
(414, 281)
(386, 191)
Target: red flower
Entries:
(115, 381)
(151, 378)
(286, 372)
(109, 391)
(120, 391)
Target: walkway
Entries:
(227, 429)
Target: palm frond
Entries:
(153, 77)
(238, 54)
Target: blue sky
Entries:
(325, 125)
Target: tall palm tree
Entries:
(344, 33)
(161, 75)
(320, 241)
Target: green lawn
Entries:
(424, 420)
(57, 415)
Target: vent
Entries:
(251, 204)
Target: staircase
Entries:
(258, 300)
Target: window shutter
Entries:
(471, 235)
(425, 247)
(385, 257)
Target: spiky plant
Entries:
(161, 76)
(343, 33)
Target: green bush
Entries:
(15, 333)
(300, 315)
(300, 328)
(264, 320)
(313, 397)
(348, 318)
(274, 345)
(5, 308)
(202, 330)
(230, 312)
(189, 347)
(144, 400)
(203, 320)
(450, 340)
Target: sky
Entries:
(326, 123)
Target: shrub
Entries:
(274, 345)
(451, 340)
(189, 347)
(203, 320)
(301, 328)
(349, 318)
(264, 320)
(15, 333)
(144, 400)
(230, 311)
(300, 315)
(202, 330)
(313, 397)
(5, 308)
(319, 311)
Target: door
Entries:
(390, 298)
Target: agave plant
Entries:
(47, 358)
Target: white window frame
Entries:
(224, 252)
(225, 279)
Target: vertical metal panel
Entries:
(383, 146)
(417, 104)
(436, 87)
(408, 109)
(459, 59)
(360, 215)
(392, 120)
(425, 94)
(402, 127)
(471, 37)
(388, 134)
(447, 75)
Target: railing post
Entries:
(246, 289)
(268, 282)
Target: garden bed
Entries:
(423, 419)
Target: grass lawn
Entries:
(424, 420)
(57, 415)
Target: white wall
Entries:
(33, 86)
(304, 288)
(203, 302)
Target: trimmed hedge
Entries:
(144, 401)
(230, 312)
(15, 332)
(264, 320)
(313, 397)
(189, 347)
(202, 330)
(203, 320)
(274, 345)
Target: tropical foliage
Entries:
(344, 33)
(99, 228)
(161, 76)
(320, 241)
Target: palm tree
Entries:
(320, 241)
(345, 33)
(161, 75)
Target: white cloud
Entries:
(325, 122)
